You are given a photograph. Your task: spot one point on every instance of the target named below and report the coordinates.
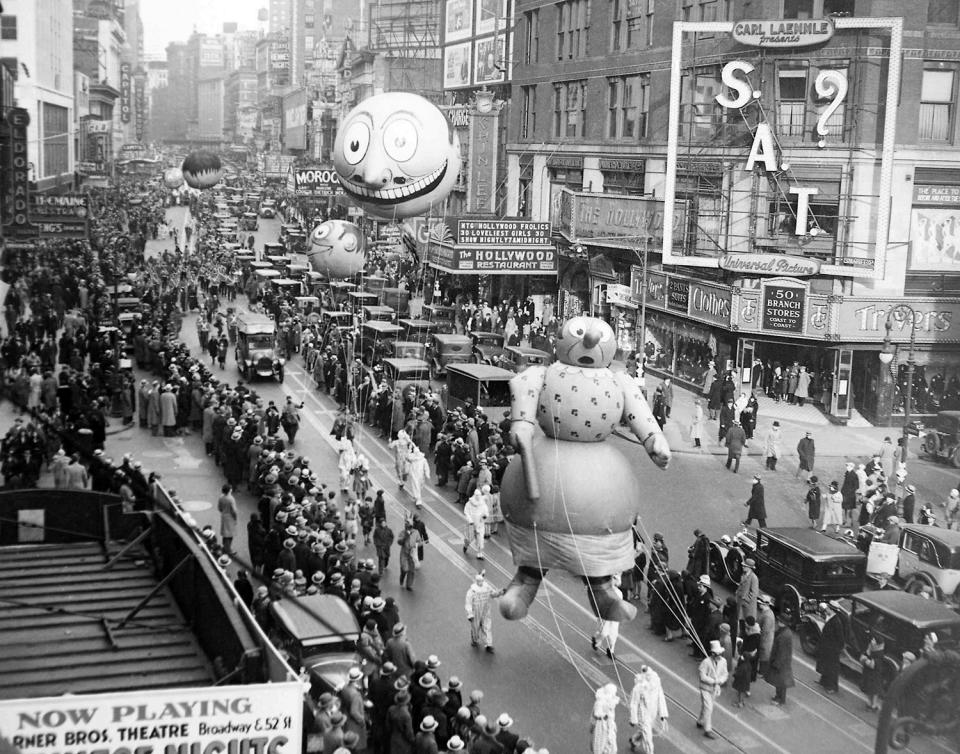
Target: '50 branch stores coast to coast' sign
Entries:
(255, 719)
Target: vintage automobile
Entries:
(256, 349)
(443, 317)
(445, 349)
(397, 298)
(370, 343)
(406, 349)
(378, 314)
(419, 330)
(317, 632)
(518, 358)
(928, 561)
(410, 376)
(287, 287)
(796, 565)
(337, 291)
(356, 300)
(249, 221)
(273, 249)
(488, 386)
(901, 619)
(727, 555)
(375, 283)
(942, 440)
(268, 208)
(487, 347)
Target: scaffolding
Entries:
(406, 33)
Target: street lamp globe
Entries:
(886, 353)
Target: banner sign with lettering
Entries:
(16, 172)
(770, 264)
(783, 308)
(258, 718)
(503, 232)
(787, 33)
(495, 260)
(638, 220)
(316, 181)
(706, 302)
(140, 108)
(863, 319)
(125, 103)
(482, 163)
(59, 216)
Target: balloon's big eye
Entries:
(355, 142)
(350, 243)
(400, 140)
(321, 232)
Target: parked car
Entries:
(371, 343)
(410, 376)
(268, 208)
(796, 564)
(928, 560)
(406, 349)
(518, 358)
(901, 619)
(942, 440)
(447, 348)
(487, 347)
(317, 632)
(443, 317)
(419, 330)
(249, 221)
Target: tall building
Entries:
(170, 105)
(735, 186)
(38, 45)
(281, 14)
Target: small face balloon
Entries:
(586, 342)
(396, 155)
(337, 249)
(173, 178)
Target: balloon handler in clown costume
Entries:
(571, 499)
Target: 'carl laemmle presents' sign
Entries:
(789, 33)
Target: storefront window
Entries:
(681, 348)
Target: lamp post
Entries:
(886, 357)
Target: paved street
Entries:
(544, 670)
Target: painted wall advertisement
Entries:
(934, 230)
(315, 181)
(638, 219)
(125, 91)
(263, 718)
(456, 65)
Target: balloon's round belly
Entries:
(585, 488)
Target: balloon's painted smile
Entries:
(398, 193)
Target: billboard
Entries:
(262, 718)
(59, 216)
(490, 64)
(456, 65)
(316, 180)
(295, 120)
(490, 17)
(16, 171)
(140, 107)
(458, 19)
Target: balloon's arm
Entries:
(639, 417)
(525, 391)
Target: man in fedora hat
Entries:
(400, 724)
(747, 592)
(506, 737)
(398, 650)
(426, 741)
(352, 704)
(780, 669)
(713, 674)
(833, 639)
(755, 505)
(380, 692)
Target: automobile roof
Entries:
(481, 371)
(382, 327)
(811, 542)
(443, 337)
(314, 616)
(912, 608)
(527, 351)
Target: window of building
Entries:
(701, 185)
(618, 25)
(819, 237)
(573, 22)
(943, 12)
(56, 148)
(624, 181)
(8, 27)
(701, 116)
(569, 109)
(936, 103)
(801, 9)
(532, 50)
(627, 98)
(791, 98)
(649, 22)
(708, 10)
(528, 112)
(806, 9)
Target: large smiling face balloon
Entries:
(396, 155)
(337, 249)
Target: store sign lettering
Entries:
(678, 294)
(783, 33)
(709, 303)
(770, 264)
(873, 318)
(783, 308)
(18, 119)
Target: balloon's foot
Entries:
(606, 602)
(519, 595)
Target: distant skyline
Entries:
(166, 21)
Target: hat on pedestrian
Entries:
(341, 547)
(337, 718)
(377, 604)
(428, 681)
(401, 697)
(454, 743)
(289, 543)
(834, 604)
(433, 662)
(291, 531)
(388, 668)
(910, 488)
(504, 721)
(715, 647)
(223, 561)
(476, 696)
(704, 579)
(325, 699)
(428, 724)
(749, 563)
(490, 726)
(893, 520)
(776, 424)
(355, 674)
(813, 480)
(764, 599)
(454, 683)
(398, 629)
(318, 578)
(336, 579)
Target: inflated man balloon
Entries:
(173, 178)
(202, 169)
(337, 249)
(570, 498)
(396, 155)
